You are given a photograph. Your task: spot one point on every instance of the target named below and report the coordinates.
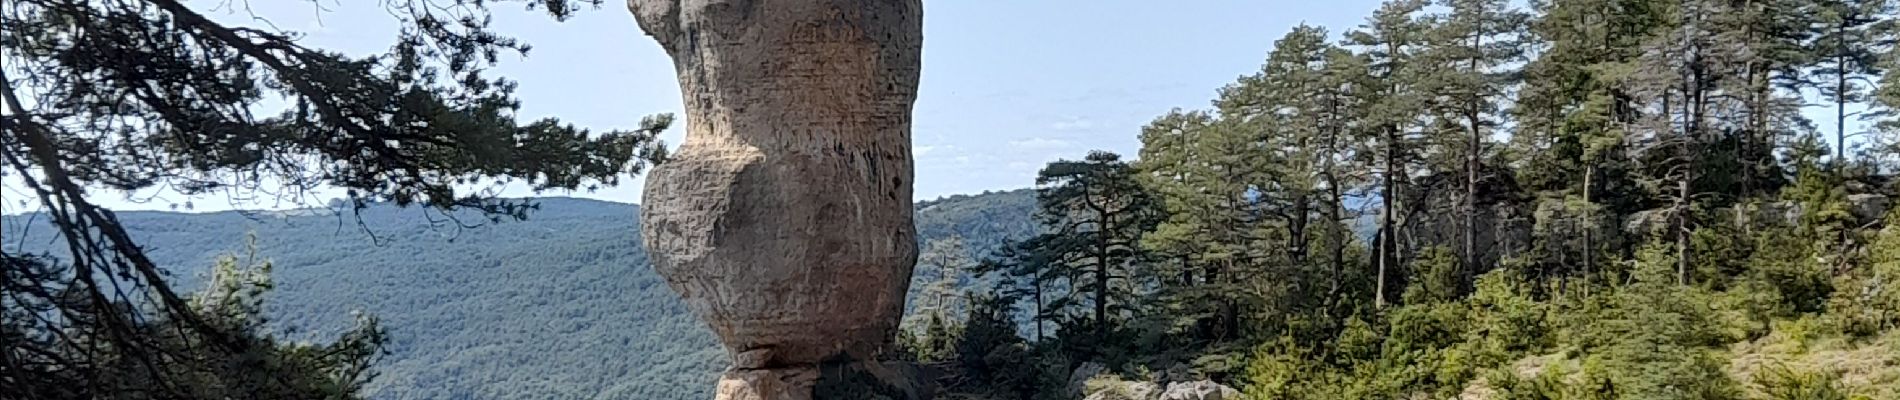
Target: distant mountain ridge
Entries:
(560, 306)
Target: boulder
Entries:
(1199, 390)
(1125, 390)
(1109, 388)
(1078, 379)
(1869, 207)
(1766, 213)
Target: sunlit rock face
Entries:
(784, 220)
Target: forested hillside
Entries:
(983, 221)
(559, 306)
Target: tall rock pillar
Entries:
(784, 220)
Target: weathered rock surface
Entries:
(1433, 215)
(1116, 389)
(1867, 208)
(1079, 378)
(767, 384)
(1199, 390)
(1126, 391)
(784, 220)
(850, 380)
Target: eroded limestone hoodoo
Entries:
(784, 220)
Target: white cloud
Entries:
(922, 151)
(1073, 124)
(1038, 144)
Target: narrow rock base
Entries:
(853, 381)
(768, 384)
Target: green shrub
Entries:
(1786, 383)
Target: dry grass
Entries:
(1867, 367)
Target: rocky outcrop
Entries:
(1869, 207)
(1199, 390)
(1126, 391)
(1433, 215)
(1108, 388)
(1079, 378)
(1866, 208)
(784, 220)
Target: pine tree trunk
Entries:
(1337, 232)
(1229, 314)
(1698, 103)
(1039, 311)
(1472, 148)
(1388, 209)
(1681, 207)
(1101, 299)
(1682, 233)
(1187, 272)
(1334, 213)
(1840, 97)
(1757, 136)
(1471, 203)
(1301, 207)
(1589, 227)
(1102, 238)
(1219, 322)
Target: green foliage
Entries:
(1717, 254)
(1549, 384)
(1655, 339)
(939, 340)
(1207, 232)
(1422, 349)
(993, 361)
(1666, 202)
(1822, 194)
(936, 298)
(421, 123)
(232, 304)
(1867, 300)
(1283, 370)
(1435, 277)
(471, 311)
(1787, 383)
(1505, 321)
(1786, 268)
(566, 294)
(1080, 271)
(135, 96)
(984, 221)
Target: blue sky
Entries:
(1007, 85)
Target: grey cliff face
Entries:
(784, 220)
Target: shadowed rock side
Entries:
(784, 220)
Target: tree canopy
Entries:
(121, 95)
